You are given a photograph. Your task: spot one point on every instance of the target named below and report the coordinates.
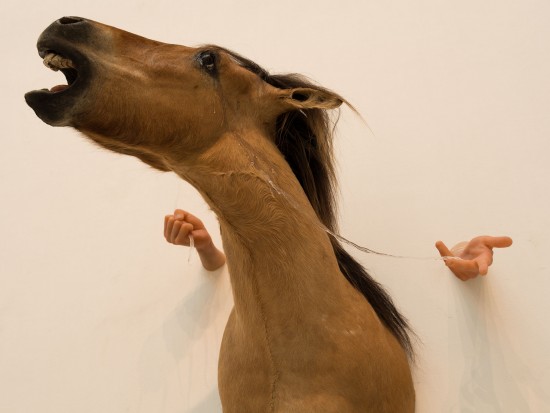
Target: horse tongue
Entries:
(59, 88)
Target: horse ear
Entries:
(310, 98)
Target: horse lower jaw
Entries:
(56, 105)
(53, 107)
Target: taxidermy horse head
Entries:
(310, 330)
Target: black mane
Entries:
(305, 138)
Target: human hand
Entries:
(181, 225)
(474, 257)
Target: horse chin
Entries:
(58, 105)
(55, 108)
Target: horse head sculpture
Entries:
(311, 330)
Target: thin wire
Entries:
(191, 247)
(267, 179)
(384, 254)
(191, 239)
(282, 193)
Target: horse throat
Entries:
(272, 237)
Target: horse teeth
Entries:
(56, 62)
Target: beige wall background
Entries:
(99, 314)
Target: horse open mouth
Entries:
(56, 105)
(57, 62)
(70, 64)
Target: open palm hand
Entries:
(472, 258)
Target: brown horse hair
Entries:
(305, 138)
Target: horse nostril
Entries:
(70, 20)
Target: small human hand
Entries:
(474, 257)
(177, 230)
(180, 225)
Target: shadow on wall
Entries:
(489, 382)
(178, 362)
(196, 313)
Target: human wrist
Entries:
(211, 257)
(207, 248)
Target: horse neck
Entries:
(278, 254)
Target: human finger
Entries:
(180, 214)
(483, 266)
(498, 242)
(201, 238)
(166, 219)
(182, 238)
(456, 269)
(175, 230)
(464, 269)
(168, 225)
(193, 220)
(443, 250)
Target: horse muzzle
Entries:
(62, 47)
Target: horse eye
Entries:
(208, 61)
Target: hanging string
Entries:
(282, 193)
(384, 254)
(191, 239)
(279, 192)
(191, 247)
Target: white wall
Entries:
(99, 314)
